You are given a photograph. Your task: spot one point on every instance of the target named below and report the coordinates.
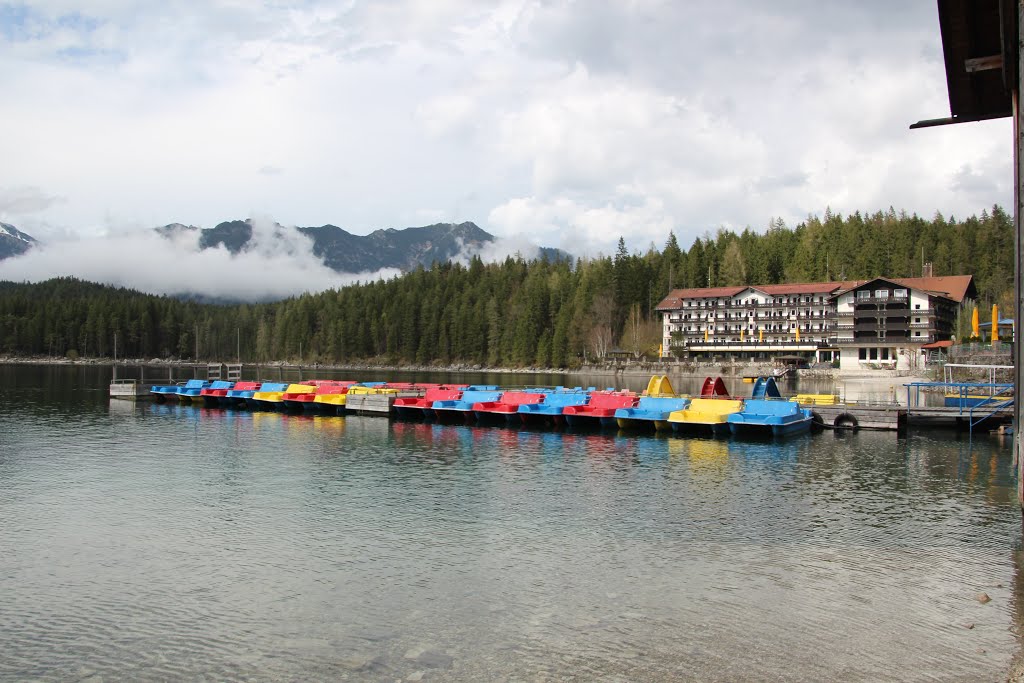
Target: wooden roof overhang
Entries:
(979, 44)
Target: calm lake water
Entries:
(162, 542)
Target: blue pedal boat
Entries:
(652, 411)
(192, 390)
(256, 404)
(767, 417)
(461, 410)
(551, 410)
(163, 392)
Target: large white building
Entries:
(884, 322)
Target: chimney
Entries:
(926, 269)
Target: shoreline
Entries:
(674, 369)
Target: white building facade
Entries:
(880, 323)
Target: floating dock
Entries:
(828, 412)
(129, 390)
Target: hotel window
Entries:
(863, 353)
(864, 294)
(917, 333)
(882, 293)
(917, 320)
(885, 354)
(900, 293)
(874, 354)
(917, 306)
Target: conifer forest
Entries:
(514, 313)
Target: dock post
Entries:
(1018, 242)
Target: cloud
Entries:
(497, 250)
(792, 179)
(581, 229)
(16, 201)
(277, 264)
(966, 179)
(585, 120)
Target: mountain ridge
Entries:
(14, 242)
(342, 251)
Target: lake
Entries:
(166, 542)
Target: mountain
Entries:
(13, 241)
(344, 252)
(401, 249)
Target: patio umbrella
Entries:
(995, 324)
(974, 323)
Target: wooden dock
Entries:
(376, 404)
(897, 418)
(958, 417)
(854, 416)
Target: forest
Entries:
(514, 313)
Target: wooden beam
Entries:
(983, 63)
(950, 120)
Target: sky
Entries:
(554, 122)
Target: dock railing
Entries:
(989, 408)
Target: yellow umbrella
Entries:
(741, 334)
(705, 334)
(798, 334)
(760, 335)
(995, 324)
(974, 324)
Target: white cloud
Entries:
(580, 229)
(498, 250)
(18, 201)
(568, 123)
(276, 264)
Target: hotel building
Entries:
(883, 322)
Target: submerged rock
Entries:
(982, 598)
(432, 659)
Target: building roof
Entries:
(944, 344)
(979, 46)
(955, 287)
(675, 298)
(799, 288)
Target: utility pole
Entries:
(197, 342)
(238, 344)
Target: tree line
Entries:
(514, 313)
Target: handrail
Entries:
(1002, 405)
(963, 390)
